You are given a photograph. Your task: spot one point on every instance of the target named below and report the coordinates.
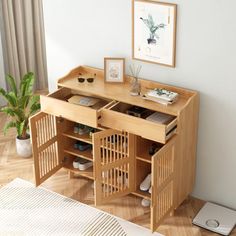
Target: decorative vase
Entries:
(135, 87)
(23, 147)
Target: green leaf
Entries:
(3, 93)
(12, 98)
(26, 85)
(34, 104)
(21, 103)
(24, 101)
(34, 99)
(9, 125)
(12, 84)
(9, 97)
(34, 108)
(18, 114)
(30, 84)
(9, 111)
(20, 127)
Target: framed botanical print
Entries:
(154, 31)
(114, 70)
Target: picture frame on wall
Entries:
(114, 70)
(154, 31)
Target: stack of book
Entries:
(160, 95)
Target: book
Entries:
(158, 100)
(159, 117)
(162, 94)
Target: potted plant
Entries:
(152, 29)
(21, 104)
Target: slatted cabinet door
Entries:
(114, 165)
(45, 135)
(163, 172)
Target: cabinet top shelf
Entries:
(120, 92)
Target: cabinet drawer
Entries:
(115, 117)
(56, 104)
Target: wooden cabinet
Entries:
(121, 142)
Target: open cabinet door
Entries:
(163, 172)
(45, 138)
(114, 165)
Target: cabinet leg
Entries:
(172, 213)
(71, 174)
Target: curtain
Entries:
(24, 40)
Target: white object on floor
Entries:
(146, 184)
(27, 210)
(145, 202)
(24, 147)
(216, 218)
(150, 190)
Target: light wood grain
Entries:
(115, 152)
(148, 129)
(121, 92)
(114, 163)
(47, 156)
(79, 188)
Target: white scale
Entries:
(216, 218)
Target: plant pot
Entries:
(151, 41)
(23, 147)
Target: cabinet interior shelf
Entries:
(83, 154)
(84, 137)
(146, 158)
(142, 194)
(86, 173)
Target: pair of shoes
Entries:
(145, 202)
(82, 129)
(125, 180)
(153, 149)
(82, 146)
(146, 184)
(82, 164)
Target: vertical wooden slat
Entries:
(162, 182)
(116, 159)
(44, 146)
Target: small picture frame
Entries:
(114, 70)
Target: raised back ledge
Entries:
(70, 81)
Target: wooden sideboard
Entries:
(120, 146)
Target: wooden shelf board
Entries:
(83, 154)
(84, 137)
(142, 194)
(86, 173)
(144, 156)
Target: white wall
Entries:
(84, 32)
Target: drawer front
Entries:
(147, 129)
(52, 104)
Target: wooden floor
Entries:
(12, 166)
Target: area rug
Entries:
(27, 210)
